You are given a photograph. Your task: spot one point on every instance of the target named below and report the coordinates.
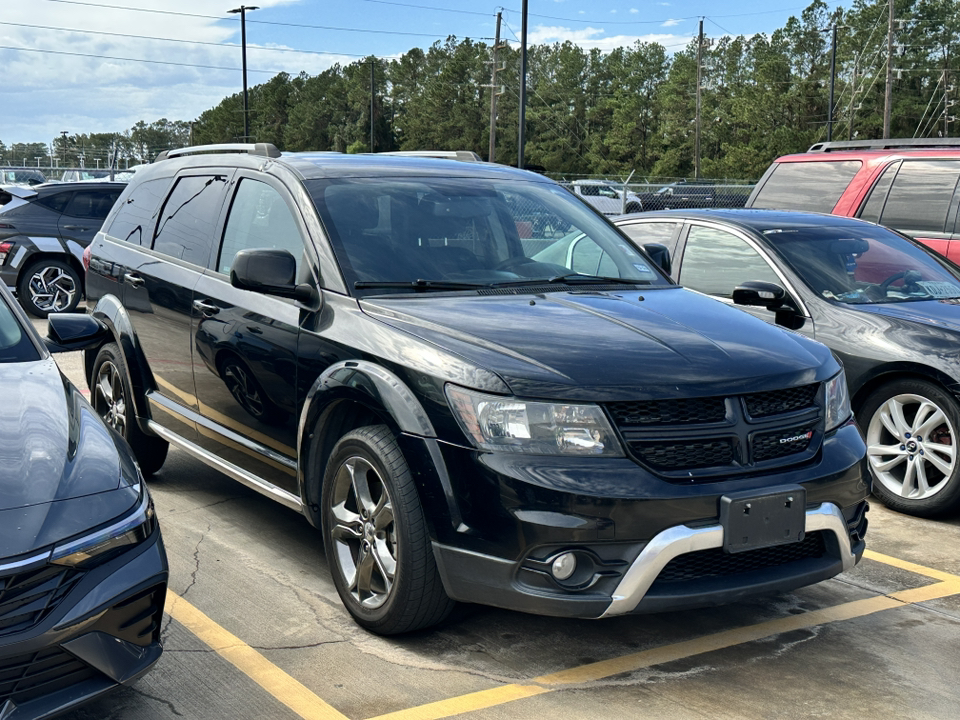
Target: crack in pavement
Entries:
(193, 581)
(163, 701)
(213, 504)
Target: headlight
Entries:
(103, 544)
(505, 424)
(838, 401)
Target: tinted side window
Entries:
(92, 203)
(135, 218)
(653, 232)
(189, 218)
(55, 202)
(878, 196)
(815, 186)
(921, 195)
(715, 262)
(259, 218)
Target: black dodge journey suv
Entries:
(388, 346)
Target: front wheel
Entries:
(912, 447)
(49, 286)
(376, 539)
(112, 398)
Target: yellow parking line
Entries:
(275, 681)
(912, 567)
(677, 651)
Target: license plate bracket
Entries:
(754, 519)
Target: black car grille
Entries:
(685, 456)
(697, 439)
(28, 597)
(669, 412)
(717, 563)
(780, 401)
(780, 443)
(32, 675)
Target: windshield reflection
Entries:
(864, 265)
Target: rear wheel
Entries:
(912, 447)
(112, 398)
(376, 539)
(49, 286)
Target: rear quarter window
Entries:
(813, 186)
(134, 219)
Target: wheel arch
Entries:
(902, 371)
(111, 313)
(347, 396)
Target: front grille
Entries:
(717, 563)
(780, 443)
(778, 402)
(32, 675)
(685, 456)
(703, 439)
(669, 412)
(28, 597)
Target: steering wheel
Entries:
(910, 277)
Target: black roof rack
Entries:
(462, 155)
(264, 149)
(891, 144)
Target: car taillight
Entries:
(7, 226)
(5, 249)
(86, 257)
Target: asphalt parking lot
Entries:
(255, 630)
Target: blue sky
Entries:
(94, 66)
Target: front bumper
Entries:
(98, 629)
(642, 544)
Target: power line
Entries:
(191, 42)
(152, 62)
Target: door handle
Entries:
(74, 227)
(134, 280)
(205, 308)
(253, 329)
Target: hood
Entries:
(602, 346)
(943, 314)
(54, 446)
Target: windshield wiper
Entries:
(418, 285)
(573, 279)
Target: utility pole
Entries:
(521, 140)
(696, 149)
(947, 102)
(888, 91)
(833, 79)
(493, 93)
(373, 94)
(853, 93)
(243, 9)
(64, 133)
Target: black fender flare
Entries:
(111, 312)
(367, 384)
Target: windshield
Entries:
(864, 265)
(470, 231)
(15, 345)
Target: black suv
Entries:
(373, 342)
(43, 232)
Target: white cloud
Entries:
(46, 92)
(671, 23)
(588, 38)
(634, 11)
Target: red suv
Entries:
(909, 185)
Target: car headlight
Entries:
(100, 546)
(506, 424)
(838, 401)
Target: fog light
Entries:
(564, 566)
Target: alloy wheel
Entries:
(243, 389)
(52, 289)
(364, 532)
(109, 399)
(911, 446)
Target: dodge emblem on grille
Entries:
(797, 438)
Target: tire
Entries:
(396, 588)
(912, 447)
(49, 286)
(634, 208)
(112, 398)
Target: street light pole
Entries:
(833, 79)
(243, 9)
(521, 141)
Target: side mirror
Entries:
(269, 271)
(772, 297)
(660, 255)
(763, 294)
(67, 332)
